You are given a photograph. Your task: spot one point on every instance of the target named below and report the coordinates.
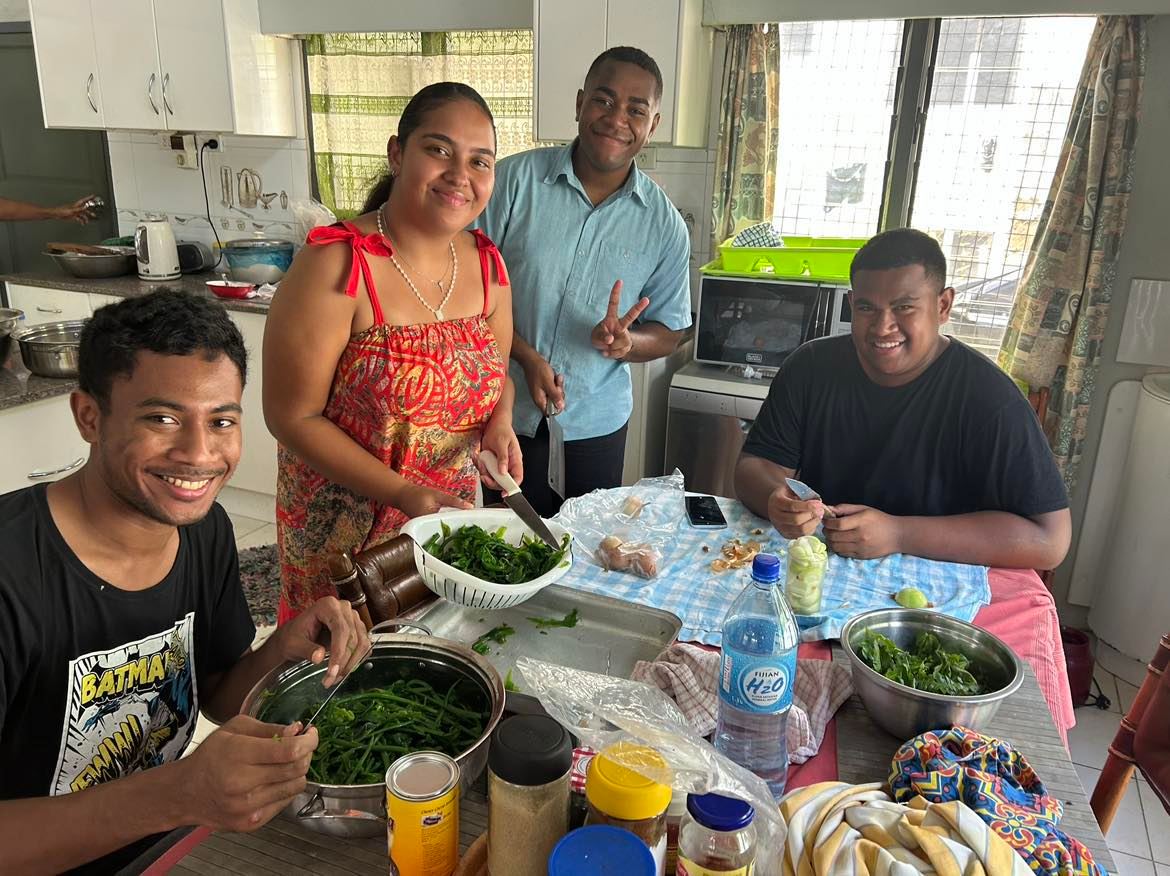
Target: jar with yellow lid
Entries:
(628, 786)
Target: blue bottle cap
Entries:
(716, 812)
(766, 567)
(601, 850)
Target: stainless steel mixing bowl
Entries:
(905, 712)
(51, 349)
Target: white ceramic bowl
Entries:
(464, 589)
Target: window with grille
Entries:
(1000, 91)
(359, 83)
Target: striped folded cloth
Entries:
(836, 829)
(689, 675)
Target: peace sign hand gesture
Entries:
(612, 335)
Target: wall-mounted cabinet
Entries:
(569, 34)
(158, 65)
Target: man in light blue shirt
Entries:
(599, 264)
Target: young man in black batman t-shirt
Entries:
(917, 443)
(122, 615)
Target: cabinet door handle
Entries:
(48, 309)
(40, 474)
(166, 100)
(89, 93)
(150, 93)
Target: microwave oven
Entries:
(746, 321)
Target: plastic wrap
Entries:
(602, 710)
(307, 215)
(627, 529)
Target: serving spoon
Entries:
(334, 690)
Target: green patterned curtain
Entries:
(359, 84)
(1058, 321)
(745, 168)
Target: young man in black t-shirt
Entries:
(122, 615)
(916, 443)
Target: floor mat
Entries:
(260, 577)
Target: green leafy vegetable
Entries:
(474, 550)
(569, 620)
(509, 684)
(499, 635)
(928, 667)
(362, 733)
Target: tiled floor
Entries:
(1140, 834)
(249, 533)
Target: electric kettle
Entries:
(154, 244)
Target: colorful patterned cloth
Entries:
(994, 780)
(415, 396)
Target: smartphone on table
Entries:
(704, 512)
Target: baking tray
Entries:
(610, 637)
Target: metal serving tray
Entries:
(610, 637)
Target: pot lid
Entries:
(258, 243)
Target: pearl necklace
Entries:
(437, 311)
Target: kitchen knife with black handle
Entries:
(515, 500)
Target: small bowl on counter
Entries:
(904, 711)
(10, 319)
(258, 260)
(230, 288)
(51, 349)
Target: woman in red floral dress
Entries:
(386, 350)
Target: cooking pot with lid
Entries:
(284, 694)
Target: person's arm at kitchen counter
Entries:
(19, 211)
(236, 780)
(307, 329)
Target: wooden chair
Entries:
(1142, 741)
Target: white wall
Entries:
(719, 12)
(14, 10)
(356, 16)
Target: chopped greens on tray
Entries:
(569, 620)
(926, 667)
(487, 556)
(499, 635)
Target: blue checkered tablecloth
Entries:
(687, 586)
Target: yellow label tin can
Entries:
(422, 808)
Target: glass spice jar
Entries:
(621, 793)
(717, 837)
(529, 760)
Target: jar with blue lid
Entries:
(601, 850)
(717, 837)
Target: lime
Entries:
(911, 597)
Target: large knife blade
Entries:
(515, 500)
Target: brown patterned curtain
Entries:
(1058, 321)
(745, 169)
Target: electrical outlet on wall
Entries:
(182, 147)
(647, 159)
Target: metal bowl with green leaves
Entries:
(968, 671)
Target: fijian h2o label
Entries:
(757, 684)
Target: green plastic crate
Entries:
(819, 258)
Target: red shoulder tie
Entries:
(361, 244)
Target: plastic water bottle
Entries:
(756, 676)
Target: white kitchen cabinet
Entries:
(40, 441)
(41, 304)
(646, 433)
(70, 93)
(199, 65)
(257, 469)
(569, 34)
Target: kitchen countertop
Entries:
(20, 387)
(130, 286)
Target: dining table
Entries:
(862, 752)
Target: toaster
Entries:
(195, 257)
